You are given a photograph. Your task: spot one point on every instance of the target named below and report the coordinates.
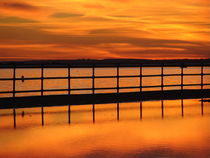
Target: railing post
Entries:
(69, 91)
(42, 92)
(162, 84)
(162, 75)
(118, 79)
(14, 81)
(93, 79)
(202, 76)
(42, 80)
(182, 77)
(69, 80)
(14, 89)
(140, 79)
(140, 86)
(93, 91)
(118, 90)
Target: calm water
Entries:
(161, 133)
(153, 136)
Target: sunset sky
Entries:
(98, 29)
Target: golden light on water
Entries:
(178, 136)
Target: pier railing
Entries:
(93, 77)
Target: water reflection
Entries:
(103, 112)
(150, 129)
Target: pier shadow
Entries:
(141, 109)
(102, 98)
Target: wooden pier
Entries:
(93, 77)
(94, 98)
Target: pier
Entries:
(139, 95)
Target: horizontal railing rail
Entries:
(94, 76)
(90, 77)
(107, 88)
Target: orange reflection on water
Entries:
(181, 137)
(153, 136)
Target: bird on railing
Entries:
(22, 78)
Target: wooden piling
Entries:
(14, 90)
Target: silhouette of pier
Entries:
(100, 98)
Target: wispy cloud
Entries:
(105, 28)
(66, 15)
(15, 20)
(18, 6)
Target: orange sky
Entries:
(93, 29)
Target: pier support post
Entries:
(69, 92)
(118, 90)
(202, 66)
(118, 79)
(162, 77)
(140, 86)
(182, 77)
(13, 94)
(162, 85)
(93, 91)
(42, 92)
(69, 80)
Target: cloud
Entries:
(115, 31)
(15, 20)
(66, 15)
(122, 16)
(18, 6)
(98, 46)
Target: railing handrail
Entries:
(94, 76)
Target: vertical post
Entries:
(140, 79)
(140, 86)
(182, 87)
(162, 75)
(202, 67)
(42, 80)
(118, 79)
(42, 92)
(162, 84)
(14, 89)
(93, 79)
(202, 76)
(93, 91)
(69, 80)
(182, 77)
(14, 81)
(118, 90)
(69, 91)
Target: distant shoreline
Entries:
(107, 62)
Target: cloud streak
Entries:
(15, 20)
(104, 29)
(18, 6)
